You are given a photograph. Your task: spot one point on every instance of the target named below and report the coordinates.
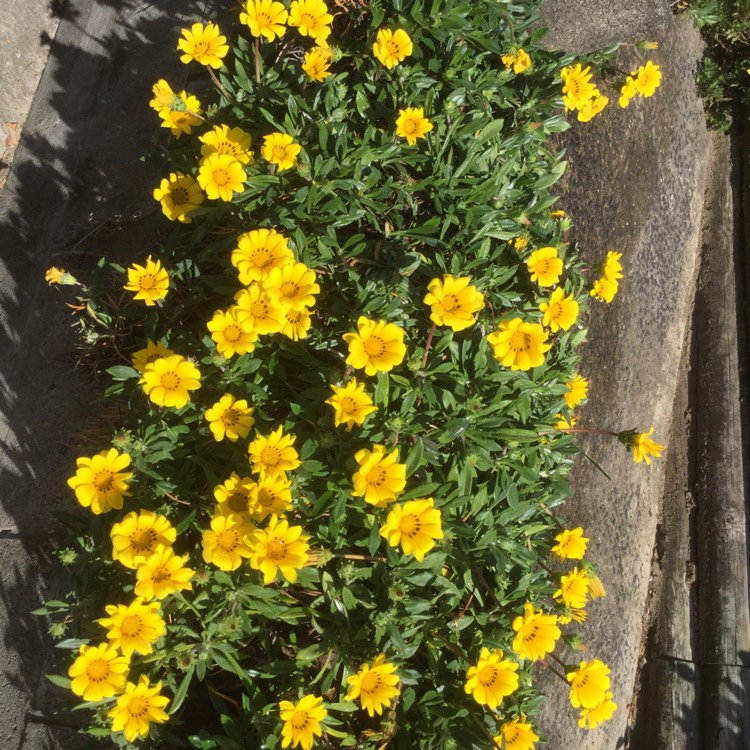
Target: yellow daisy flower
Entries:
(560, 311)
(412, 124)
(571, 544)
(291, 287)
(577, 86)
(230, 418)
(574, 590)
(204, 44)
(592, 107)
(375, 686)
(258, 252)
(578, 389)
(165, 97)
(280, 149)
(517, 735)
(98, 672)
(225, 543)
(380, 478)
(453, 302)
(150, 282)
(351, 404)
(301, 721)
(519, 345)
(179, 196)
(644, 447)
(311, 18)
(234, 495)
(153, 351)
(611, 268)
(139, 535)
(134, 627)
(317, 63)
(536, 633)
(588, 684)
(392, 47)
(100, 482)
(221, 140)
(492, 679)
(415, 525)
(161, 574)
(648, 79)
(603, 711)
(259, 310)
(274, 454)
(519, 61)
(183, 116)
(232, 332)
(167, 381)
(221, 176)
(296, 323)
(265, 18)
(604, 289)
(278, 548)
(137, 708)
(270, 495)
(544, 266)
(377, 346)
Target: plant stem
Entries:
(428, 345)
(216, 81)
(365, 558)
(257, 60)
(554, 671)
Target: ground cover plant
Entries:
(328, 513)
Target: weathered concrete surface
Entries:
(587, 25)
(636, 185)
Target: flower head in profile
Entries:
(628, 91)
(150, 282)
(311, 18)
(588, 684)
(137, 708)
(139, 535)
(519, 61)
(544, 266)
(291, 286)
(275, 454)
(153, 351)
(233, 495)
(265, 18)
(611, 268)
(375, 685)
(281, 150)
(232, 332)
(604, 289)
(59, 276)
(165, 97)
(380, 479)
(563, 423)
(578, 389)
(592, 107)
(412, 124)
(161, 574)
(258, 252)
(234, 142)
(317, 64)
(184, 114)
(278, 548)
(351, 404)
(560, 311)
(492, 679)
(571, 544)
(98, 672)
(519, 345)
(415, 525)
(254, 306)
(204, 44)
(230, 418)
(179, 196)
(134, 627)
(648, 79)
(100, 482)
(301, 721)
(221, 176)
(518, 734)
(270, 495)
(225, 542)
(577, 87)
(591, 718)
(377, 346)
(536, 633)
(642, 444)
(574, 590)
(167, 381)
(595, 585)
(453, 302)
(392, 47)
(296, 323)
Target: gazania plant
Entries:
(328, 515)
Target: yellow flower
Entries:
(139, 535)
(317, 62)
(375, 686)
(578, 390)
(59, 276)
(519, 345)
(221, 140)
(519, 61)
(377, 346)
(167, 381)
(536, 633)
(297, 323)
(391, 47)
(230, 418)
(648, 79)
(179, 196)
(520, 243)
(601, 712)
(544, 266)
(164, 97)
(291, 287)
(351, 404)
(453, 302)
(258, 252)
(588, 684)
(280, 149)
(560, 311)
(311, 17)
(301, 721)
(592, 107)
(265, 18)
(517, 734)
(415, 525)
(278, 547)
(182, 117)
(137, 708)
(492, 679)
(412, 124)
(98, 672)
(595, 586)
(150, 283)
(611, 268)
(380, 479)
(270, 496)
(564, 424)
(644, 447)
(232, 332)
(234, 495)
(204, 44)
(135, 627)
(628, 91)
(574, 590)
(274, 454)
(100, 482)
(153, 351)
(577, 86)
(261, 312)
(225, 543)
(221, 176)
(161, 574)
(571, 544)
(604, 290)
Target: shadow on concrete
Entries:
(77, 171)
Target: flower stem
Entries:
(216, 81)
(554, 671)
(365, 558)
(428, 345)
(257, 60)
